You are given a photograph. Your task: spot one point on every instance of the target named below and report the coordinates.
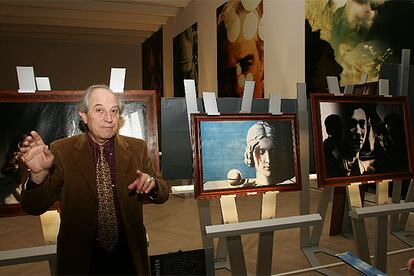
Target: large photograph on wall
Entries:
(361, 138)
(240, 47)
(351, 38)
(53, 115)
(152, 61)
(185, 51)
(238, 154)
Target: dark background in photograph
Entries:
(152, 63)
(185, 51)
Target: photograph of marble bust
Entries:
(244, 154)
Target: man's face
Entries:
(244, 56)
(357, 127)
(263, 153)
(102, 117)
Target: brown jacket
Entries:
(72, 182)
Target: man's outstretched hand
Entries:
(36, 156)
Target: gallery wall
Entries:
(69, 66)
(284, 45)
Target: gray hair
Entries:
(83, 105)
(257, 132)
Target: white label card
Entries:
(26, 78)
(43, 83)
(117, 80)
(274, 104)
(246, 106)
(210, 103)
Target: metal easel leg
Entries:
(234, 244)
(265, 241)
(396, 198)
(358, 225)
(236, 256)
(322, 210)
(204, 215)
(52, 265)
(381, 230)
(316, 235)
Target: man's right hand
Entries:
(37, 157)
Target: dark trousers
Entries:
(115, 262)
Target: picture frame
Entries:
(361, 139)
(244, 154)
(53, 114)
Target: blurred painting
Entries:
(152, 63)
(185, 51)
(241, 154)
(240, 47)
(361, 138)
(351, 39)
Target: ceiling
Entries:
(92, 21)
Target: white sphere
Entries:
(234, 177)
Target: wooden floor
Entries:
(174, 226)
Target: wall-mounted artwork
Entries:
(53, 115)
(240, 47)
(152, 63)
(361, 138)
(238, 154)
(185, 51)
(350, 38)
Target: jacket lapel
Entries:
(122, 158)
(83, 157)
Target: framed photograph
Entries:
(361, 138)
(53, 114)
(241, 154)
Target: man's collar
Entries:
(96, 145)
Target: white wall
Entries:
(284, 45)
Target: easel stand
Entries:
(232, 230)
(381, 212)
(358, 215)
(313, 248)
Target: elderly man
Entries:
(99, 178)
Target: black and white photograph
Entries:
(360, 139)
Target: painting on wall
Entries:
(152, 63)
(185, 51)
(238, 154)
(353, 38)
(240, 47)
(361, 138)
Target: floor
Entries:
(174, 226)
